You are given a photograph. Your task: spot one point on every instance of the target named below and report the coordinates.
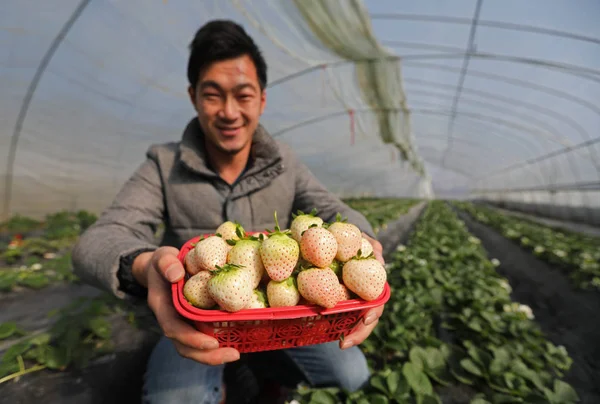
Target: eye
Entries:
(210, 95)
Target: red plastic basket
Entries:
(255, 330)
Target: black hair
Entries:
(221, 40)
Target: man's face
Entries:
(229, 102)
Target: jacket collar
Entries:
(264, 153)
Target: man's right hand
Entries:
(157, 270)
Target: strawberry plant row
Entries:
(450, 324)
(577, 254)
(380, 211)
(82, 331)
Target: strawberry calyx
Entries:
(291, 282)
(310, 227)
(201, 238)
(227, 268)
(239, 230)
(359, 256)
(278, 231)
(262, 297)
(340, 219)
(245, 236)
(312, 213)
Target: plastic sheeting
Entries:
(109, 81)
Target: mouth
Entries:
(229, 131)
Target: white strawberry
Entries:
(318, 246)
(284, 293)
(364, 276)
(336, 267)
(303, 221)
(348, 237)
(230, 230)
(258, 300)
(366, 248)
(319, 286)
(279, 253)
(207, 254)
(231, 288)
(344, 293)
(195, 290)
(246, 252)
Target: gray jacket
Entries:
(175, 186)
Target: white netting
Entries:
(116, 83)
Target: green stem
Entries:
(22, 372)
(21, 363)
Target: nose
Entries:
(230, 110)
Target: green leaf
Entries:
(57, 358)
(428, 399)
(322, 397)
(471, 367)
(15, 350)
(479, 400)
(474, 325)
(564, 392)
(7, 329)
(35, 281)
(380, 383)
(505, 399)
(8, 280)
(39, 354)
(101, 327)
(435, 359)
(378, 399)
(393, 380)
(7, 368)
(40, 339)
(501, 361)
(442, 376)
(418, 357)
(480, 356)
(521, 369)
(417, 380)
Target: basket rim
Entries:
(272, 313)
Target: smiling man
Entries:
(225, 167)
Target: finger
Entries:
(171, 324)
(377, 248)
(211, 357)
(168, 265)
(373, 315)
(358, 336)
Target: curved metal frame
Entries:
(27, 101)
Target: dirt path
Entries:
(567, 316)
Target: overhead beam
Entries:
(485, 23)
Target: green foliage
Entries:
(81, 333)
(577, 254)
(20, 224)
(450, 321)
(380, 211)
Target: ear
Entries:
(192, 94)
(263, 100)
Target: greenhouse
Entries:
(464, 135)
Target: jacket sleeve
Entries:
(310, 193)
(127, 225)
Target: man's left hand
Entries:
(377, 248)
(372, 317)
